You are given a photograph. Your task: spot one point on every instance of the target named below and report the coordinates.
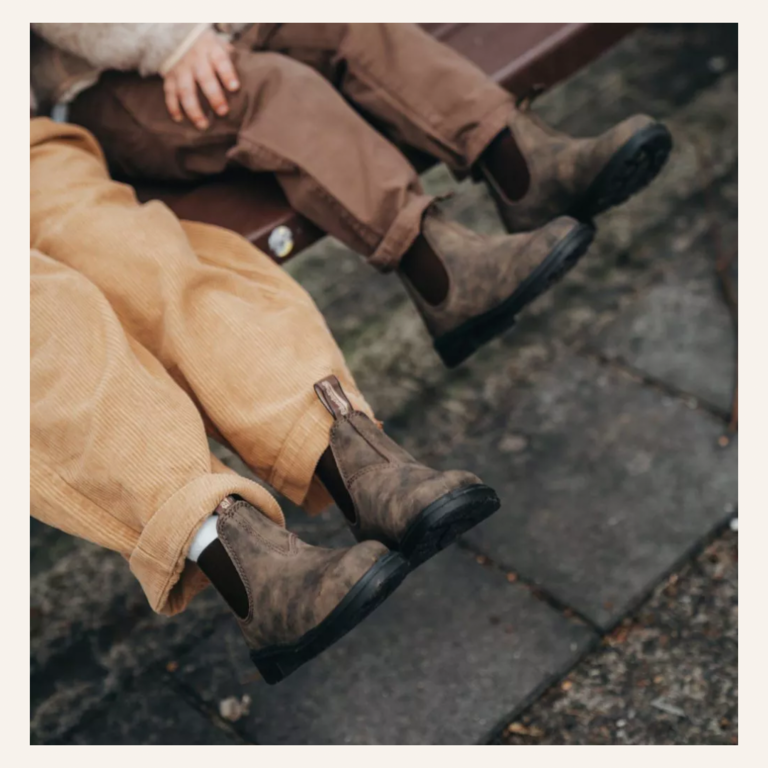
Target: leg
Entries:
(287, 119)
(420, 91)
(250, 347)
(435, 257)
(231, 327)
(118, 452)
(118, 455)
(431, 97)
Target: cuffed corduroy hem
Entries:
(158, 560)
(490, 127)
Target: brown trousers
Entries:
(146, 333)
(298, 114)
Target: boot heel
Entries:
(454, 350)
(476, 173)
(455, 347)
(274, 670)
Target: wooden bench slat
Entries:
(252, 205)
(495, 47)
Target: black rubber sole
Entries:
(457, 345)
(632, 168)
(445, 519)
(277, 662)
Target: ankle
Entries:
(504, 161)
(214, 561)
(425, 271)
(328, 473)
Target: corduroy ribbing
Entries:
(118, 452)
(144, 330)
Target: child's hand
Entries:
(204, 64)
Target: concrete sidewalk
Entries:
(596, 419)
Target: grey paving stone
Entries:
(453, 651)
(92, 632)
(605, 484)
(152, 714)
(681, 332)
(655, 70)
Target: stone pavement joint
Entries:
(536, 590)
(688, 398)
(612, 483)
(679, 653)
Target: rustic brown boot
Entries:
(391, 497)
(573, 177)
(301, 599)
(491, 279)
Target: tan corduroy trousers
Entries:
(146, 334)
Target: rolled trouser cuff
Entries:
(159, 558)
(401, 234)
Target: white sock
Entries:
(204, 536)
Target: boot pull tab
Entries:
(332, 397)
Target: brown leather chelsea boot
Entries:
(567, 176)
(391, 497)
(301, 599)
(491, 279)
